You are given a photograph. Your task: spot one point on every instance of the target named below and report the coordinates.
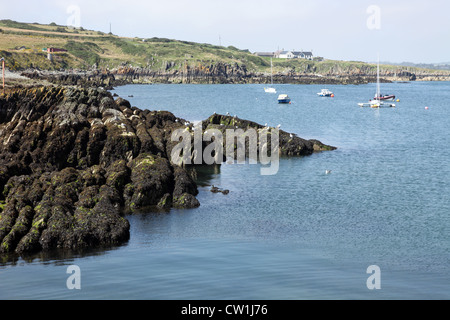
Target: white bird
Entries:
(228, 113)
(327, 171)
(176, 120)
(279, 126)
(291, 135)
(265, 125)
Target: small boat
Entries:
(270, 90)
(387, 97)
(377, 104)
(372, 104)
(378, 101)
(284, 98)
(326, 93)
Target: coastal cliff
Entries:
(305, 72)
(225, 73)
(74, 162)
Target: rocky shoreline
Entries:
(219, 73)
(75, 161)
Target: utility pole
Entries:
(3, 72)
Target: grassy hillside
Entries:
(21, 44)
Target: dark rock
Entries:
(186, 200)
(151, 180)
(165, 202)
(73, 161)
(183, 183)
(289, 144)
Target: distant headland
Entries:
(64, 55)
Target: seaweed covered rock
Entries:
(60, 210)
(289, 144)
(74, 161)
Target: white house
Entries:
(294, 55)
(285, 54)
(303, 55)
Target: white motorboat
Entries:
(284, 98)
(325, 93)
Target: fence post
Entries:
(3, 73)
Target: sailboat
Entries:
(377, 101)
(271, 89)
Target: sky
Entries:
(398, 30)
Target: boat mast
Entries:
(378, 77)
(271, 72)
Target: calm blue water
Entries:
(299, 234)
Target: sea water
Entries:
(298, 234)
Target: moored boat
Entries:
(284, 98)
(384, 97)
(325, 93)
(378, 100)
